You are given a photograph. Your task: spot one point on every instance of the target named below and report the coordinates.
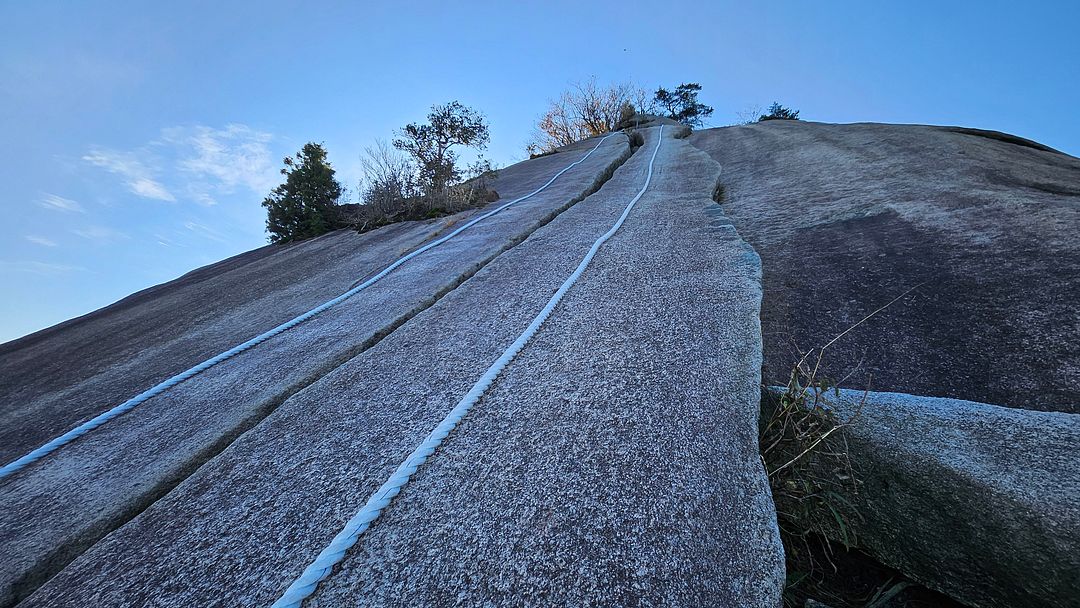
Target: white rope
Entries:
(304, 586)
(130, 404)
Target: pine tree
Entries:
(431, 144)
(682, 104)
(304, 206)
(779, 112)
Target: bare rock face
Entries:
(613, 462)
(50, 381)
(847, 217)
(973, 500)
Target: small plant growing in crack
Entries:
(804, 449)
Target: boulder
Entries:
(977, 501)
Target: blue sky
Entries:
(139, 138)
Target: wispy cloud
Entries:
(206, 232)
(148, 188)
(218, 161)
(59, 203)
(40, 268)
(100, 234)
(139, 178)
(199, 163)
(40, 240)
(163, 240)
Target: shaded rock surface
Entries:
(974, 500)
(55, 508)
(614, 462)
(847, 217)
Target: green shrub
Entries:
(779, 112)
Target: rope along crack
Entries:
(304, 586)
(99, 420)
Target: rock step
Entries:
(974, 500)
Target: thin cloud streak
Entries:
(40, 240)
(206, 232)
(59, 203)
(138, 177)
(100, 234)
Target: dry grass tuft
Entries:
(814, 484)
